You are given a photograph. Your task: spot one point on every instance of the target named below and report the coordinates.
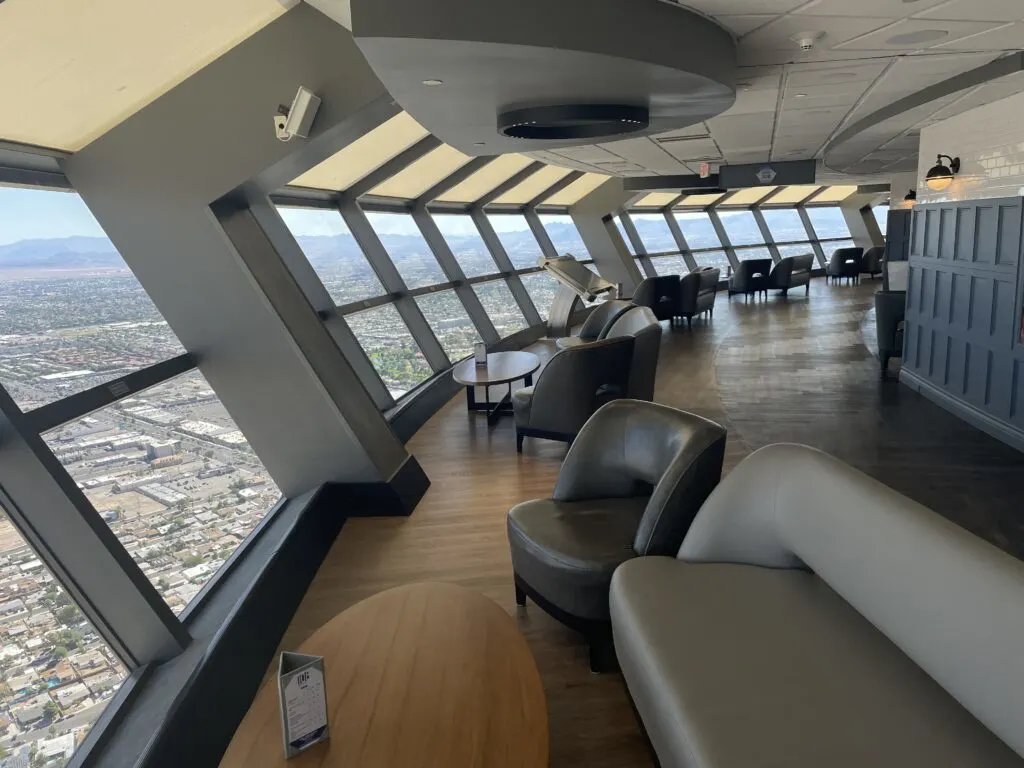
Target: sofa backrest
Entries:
(709, 277)
(643, 326)
(661, 294)
(949, 600)
(803, 262)
(600, 320)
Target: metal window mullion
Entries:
(554, 189)
(493, 243)
(723, 237)
(375, 252)
(680, 238)
(359, 360)
(443, 253)
(766, 235)
(453, 179)
(540, 234)
(509, 184)
(638, 245)
(812, 236)
(79, 548)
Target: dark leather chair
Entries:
(596, 326)
(660, 295)
(792, 272)
(845, 263)
(630, 486)
(751, 277)
(574, 384)
(641, 324)
(871, 263)
(890, 309)
(697, 293)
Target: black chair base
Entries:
(524, 432)
(884, 358)
(598, 634)
(689, 318)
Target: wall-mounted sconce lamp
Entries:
(940, 176)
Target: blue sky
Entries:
(26, 214)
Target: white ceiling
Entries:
(789, 104)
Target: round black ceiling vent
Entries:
(578, 121)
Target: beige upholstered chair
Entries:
(630, 485)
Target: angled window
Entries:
(420, 175)
(716, 259)
(830, 247)
(173, 477)
(409, 252)
(533, 185)
(793, 195)
(72, 315)
(577, 190)
(741, 227)
(517, 239)
(58, 673)
(450, 323)
(656, 200)
(700, 200)
(747, 196)
(498, 171)
(654, 232)
(333, 253)
(501, 307)
(542, 288)
(785, 225)
(828, 222)
(394, 354)
(564, 236)
(468, 247)
(698, 230)
(625, 236)
(881, 214)
(795, 250)
(833, 194)
(745, 254)
(669, 265)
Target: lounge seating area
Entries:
(845, 264)
(751, 278)
(671, 297)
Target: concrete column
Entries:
(611, 257)
(172, 187)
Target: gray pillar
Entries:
(638, 245)
(812, 236)
(766, 235)
(152, 182)
(613, 261)
(680, 238)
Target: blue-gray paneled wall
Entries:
(962, 345)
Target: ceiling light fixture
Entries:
(799, 95)
(572, 121)
(910, 197)
(940, 176)
(433, 81)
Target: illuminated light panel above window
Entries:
(416, 178)
(577, 190)
(699, 201)
(747, 196)
(364, 155)
(534, 185)
(498, 171)
(833, 195)
(656, 200)
(794, 194)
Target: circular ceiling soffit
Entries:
(572, 121)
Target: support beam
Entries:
(613, 261)
(766, 235)
(638, 245)
(493, 243)
(509, 184)
(723, 236)
(681, 244)
(812, 236)
(540, 234)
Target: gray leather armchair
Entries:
(630, 486)
(890, 307)
(751, 277)
(574, 384)
(645, 329)
(792, 272)
(597, 324)
(697, 293)
(845, 262)
(660, 295)
(871, 263)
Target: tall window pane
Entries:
(409, 252)
(174, 478)
(517, 239)
(698, 230)
(795, 250)
(333, 254)
(564, 236)
(716, 259)
(501, 307)
(654, 232)
(468, 247)
(72, 316)
(450, 323)
(622, 231)
(394, 353)
(542, 288)
(828, 222)
(745, 254)
(785, 225)
(741, 227)
(58, 674)
(670, 265)
(881, 213)
(833, 246)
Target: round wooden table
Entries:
(422, 675)
(501, 368)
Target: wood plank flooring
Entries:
(793, 370)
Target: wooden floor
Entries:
(795, 370)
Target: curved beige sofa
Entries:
(815, 617)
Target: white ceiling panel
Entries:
(975, 10)
(1004, 38)
(744, 25)
(748, 102)
(778, 35)
(892, 9)
(697, 149)
(838, 76)
(699, 129)
(742, 131)
(915, 35)
(647, 154)
(715, 8)
(586, 154)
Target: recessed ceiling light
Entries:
(799, 95)
(479, 144)
(920, 36)
(433, 82)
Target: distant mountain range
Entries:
(61, 253)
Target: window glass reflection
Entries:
(448, 319)
(698, 230)
(408, 250)
(564, 236)
(785, 225)
(468, 247)
(517, 239)
(741, 227)
(542, 288)
(654, 232)
(828, 222)
(501, 307)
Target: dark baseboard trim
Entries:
(397, 497)
(990, 425)
(408, 416)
